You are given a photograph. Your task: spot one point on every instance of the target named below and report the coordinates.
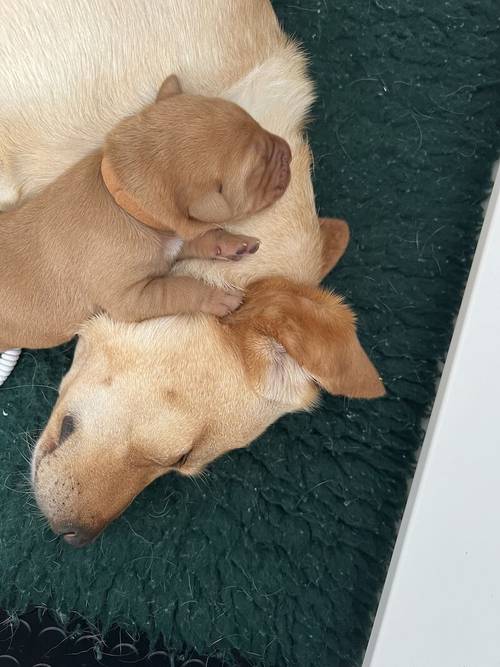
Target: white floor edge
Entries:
(440, 606)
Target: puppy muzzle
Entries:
(279, 170)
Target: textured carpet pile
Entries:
(281, 551)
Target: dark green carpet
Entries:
(281, 552)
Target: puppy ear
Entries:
(311, 327)
(171, 86)
(212, 207)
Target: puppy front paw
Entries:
(221, 302)
(232, 247)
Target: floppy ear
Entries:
(212, 207)
(313, 328)
(335, 237)
(149, 200)
(171, 86)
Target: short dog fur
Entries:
(173, 394)
(103, 237)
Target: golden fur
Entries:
(174, 394)
(173, 174)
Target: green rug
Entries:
(282, 551)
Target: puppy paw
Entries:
(221, 302)
(233, 247)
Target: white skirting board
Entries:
(440, 606)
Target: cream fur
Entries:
(144, 395)
(70, 70)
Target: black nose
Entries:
(78, 536)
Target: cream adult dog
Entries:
(174, 394)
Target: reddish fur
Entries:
(291, 313)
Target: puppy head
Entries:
(139, 407)
(201, 158)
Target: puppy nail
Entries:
(218, 251)
(254, 248)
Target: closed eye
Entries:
(180, 462)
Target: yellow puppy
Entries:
(104, 235)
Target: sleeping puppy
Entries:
(104, 235)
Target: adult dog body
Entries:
(173, 394)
